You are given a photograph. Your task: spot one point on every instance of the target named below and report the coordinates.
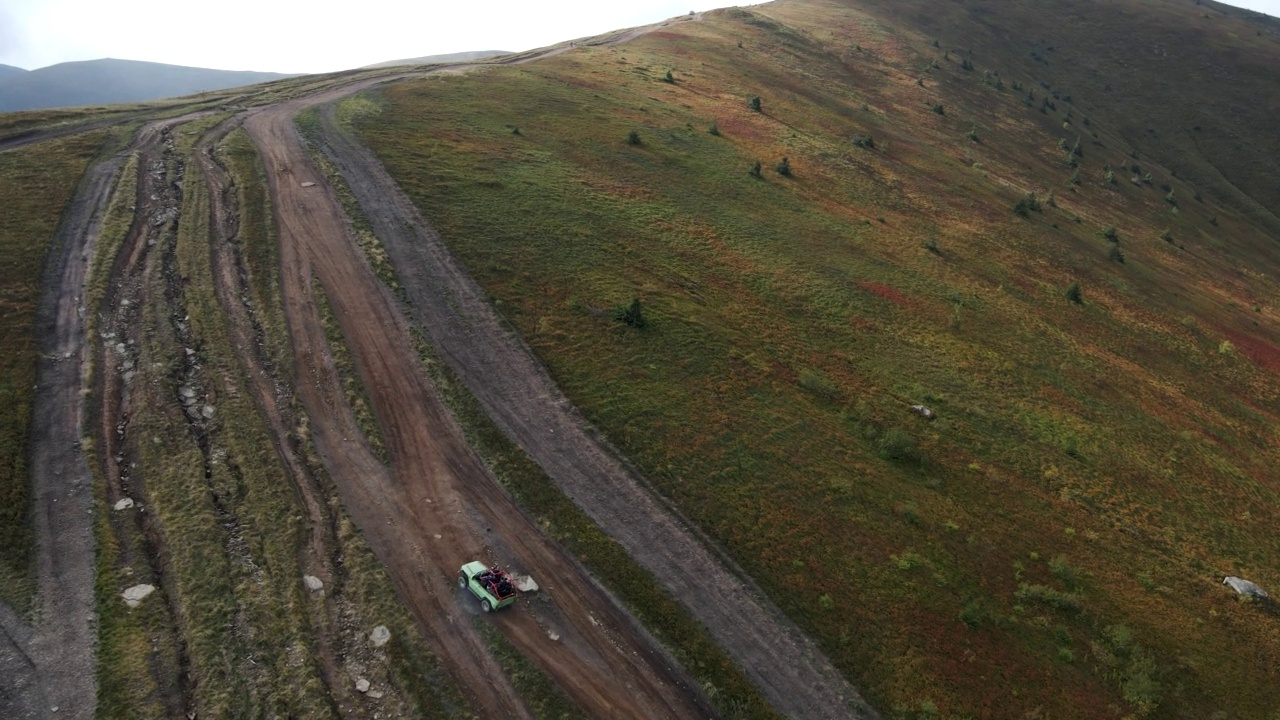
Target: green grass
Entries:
(36, 183)
(788, 332)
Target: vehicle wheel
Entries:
(462, 580)
(486, 606)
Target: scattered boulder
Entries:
(123, 504)
(134, 595)
(362, 685)
(1244, 587)
(380, 636)
(924, 412)
(308, 184)
(525, 583)
(313, 583)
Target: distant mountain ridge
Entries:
(107, 81)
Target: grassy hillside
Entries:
(1053, 543)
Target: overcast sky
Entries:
(317, 36)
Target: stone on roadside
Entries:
(525, 583)
(134, 595)
(123, 504)
(313, 583)
(380, 636)
(362, 685)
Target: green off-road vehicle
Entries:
(490, 584)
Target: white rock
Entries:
(308, 184)
(362, 685)
(135, 594)
(375, 694)
(123, 504)
(525, 583)
(380, 636)
(313, 583)
(555, 636)
(1244, 587)
(207, 412)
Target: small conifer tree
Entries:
(784, 167)
(1073, 293)
(755, 104)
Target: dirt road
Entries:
(437, 506)
(58, 673)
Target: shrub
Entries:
(1213, 220)
(714, 129)
(633, 138)
(863, 141)
(1066, 602)
(973, 134)
(939, 109)
(972, 614)
(1110, 234)
(932, 246)
(669, 78)
(631, 315)
(1075, 178)
(1166, 236)
(1115, 254)
(1109, 176)
(898, 446)
(819, 384)
(755, 104)
(1062, 570)
(1027, 204)
(755, 169)
(966, 64)
(1074, 294)
(515, 130)
(784, 167)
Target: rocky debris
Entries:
(924, 412)
(308, 184)
(362, 685)
(380, 636)
(134, 595)
(313, 583)
(207, 412)
(525, 583)
(1244, 587)
(555, 636)
(123, 504)
(375, 694)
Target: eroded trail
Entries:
(437, 506)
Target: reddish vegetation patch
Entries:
(886, 292)
(862, 323)
(1262, 353)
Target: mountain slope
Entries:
(445, 58)
(1054, 542)
(102, 82)
(9, 70)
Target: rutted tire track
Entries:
(519, 395)
(61, 648)
(437, 504)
